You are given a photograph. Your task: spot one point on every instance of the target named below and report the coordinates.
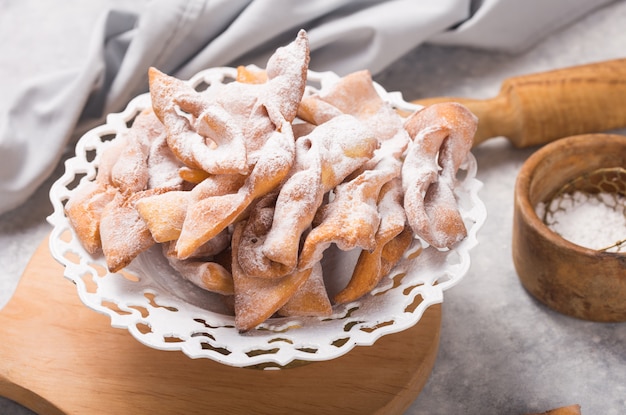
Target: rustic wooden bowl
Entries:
(568, 278)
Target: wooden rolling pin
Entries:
(539, 108)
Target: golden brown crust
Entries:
(257, 299)
(250, 256)
(392, 240)
(442, 136)
(123, 232)
(84, 210)
(247, 75)
(311, 300)
(206, 274)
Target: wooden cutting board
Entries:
(59, 357)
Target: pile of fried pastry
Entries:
(247, 183)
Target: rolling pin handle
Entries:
(536, 109)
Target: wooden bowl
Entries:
(568, 278)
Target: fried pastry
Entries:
(257, 299)
(442, 136)
(130, 172)
(267, 110)
(192, 175)
(84, 210)
(165, 213)
(218, 130)
(201, 133)
(247, 183)
(206, 274)
(350, 220)
(247, 75)
(208, 217)
(213, 248)
(392, 239)
(353, 94)
(311, 299)
(324, 159)
(123, 233)
(163, 167)
(250, 257)
(103, 212)
(87, 201)
(110, 155)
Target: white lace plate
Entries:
(165, 312)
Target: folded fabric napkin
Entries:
(182, 37)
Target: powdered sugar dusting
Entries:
(245, 130)
(198, 318)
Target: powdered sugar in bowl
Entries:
(572, 270)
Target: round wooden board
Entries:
(60, 357)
